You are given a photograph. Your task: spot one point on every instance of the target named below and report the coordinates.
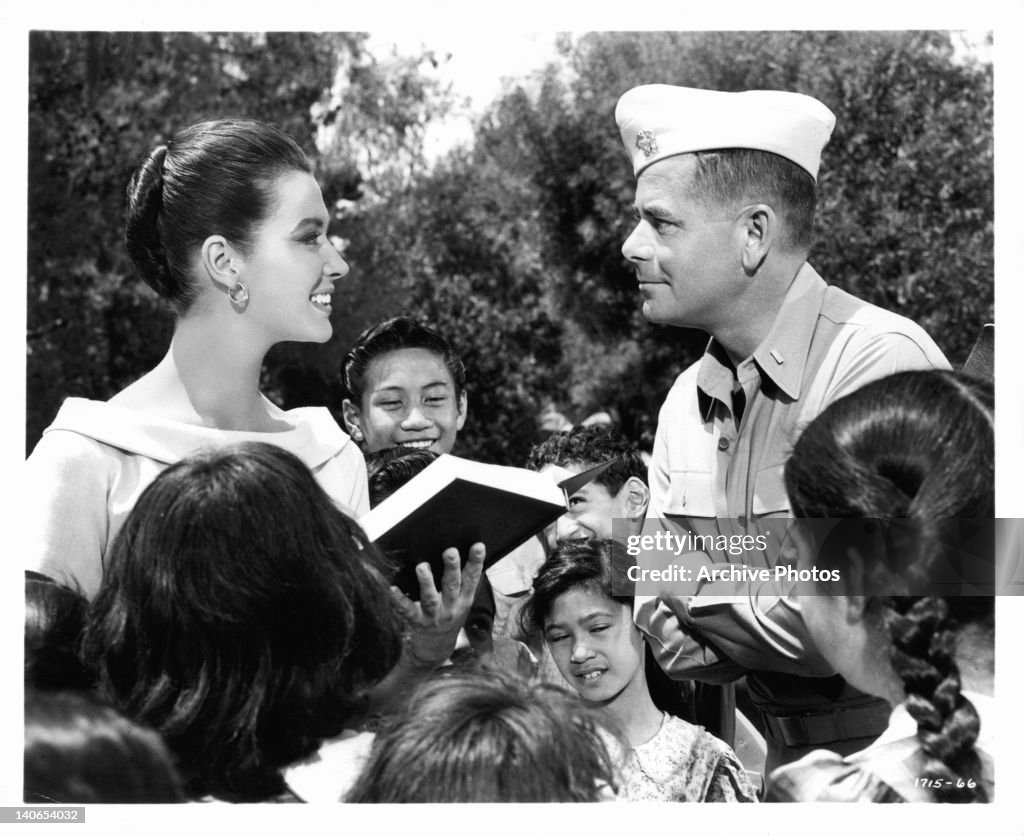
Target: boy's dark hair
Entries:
(387, 470)
(240, 617)
(487, 736)
(392, 335)
(80, 751)
(587, 446)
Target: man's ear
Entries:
(637, 496)
(350, 415)
(758, 229)
(463, 406)
(220, 261)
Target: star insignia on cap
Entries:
(645, 142)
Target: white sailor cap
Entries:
(662, 120)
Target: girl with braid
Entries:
(892, 469)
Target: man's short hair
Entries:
(587, 446)
(736, 174)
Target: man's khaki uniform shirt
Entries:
(710, 475)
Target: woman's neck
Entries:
(209, 377)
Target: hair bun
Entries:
(142, 227)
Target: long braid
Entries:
(923, 656)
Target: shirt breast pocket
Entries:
(691, 494)
(770, 497)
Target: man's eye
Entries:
(576, 500)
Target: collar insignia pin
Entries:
(645, 142)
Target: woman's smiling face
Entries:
(291, 267)
(596, 646)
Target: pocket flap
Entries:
(770, 491)
(691, 494)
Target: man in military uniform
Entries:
(725, 201)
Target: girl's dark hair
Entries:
(80, 751)
(575, 563)
(213, 178)
(55, 618)
(240, 616)
(487, 736)
(917, 446)
(392, 335)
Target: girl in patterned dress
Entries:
(599, 652)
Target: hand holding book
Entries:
(455, 502)
(432, 626)
(435, 620)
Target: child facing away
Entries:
(485, 737)
(599, 652)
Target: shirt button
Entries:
(723, 444)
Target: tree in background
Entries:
(510, 248)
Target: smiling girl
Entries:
(227, 224)
(599, 652)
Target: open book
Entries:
(458, 502)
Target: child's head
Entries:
(80, 751)
(388, 469)
(916, 448)
(405, 386)
(589, 630)
(55, 618)
(240, 616)
(620, 492)
(471, 736)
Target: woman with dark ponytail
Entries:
(227, 224)
(893, 469)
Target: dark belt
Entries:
(814, 728)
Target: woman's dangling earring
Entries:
(239, 295)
